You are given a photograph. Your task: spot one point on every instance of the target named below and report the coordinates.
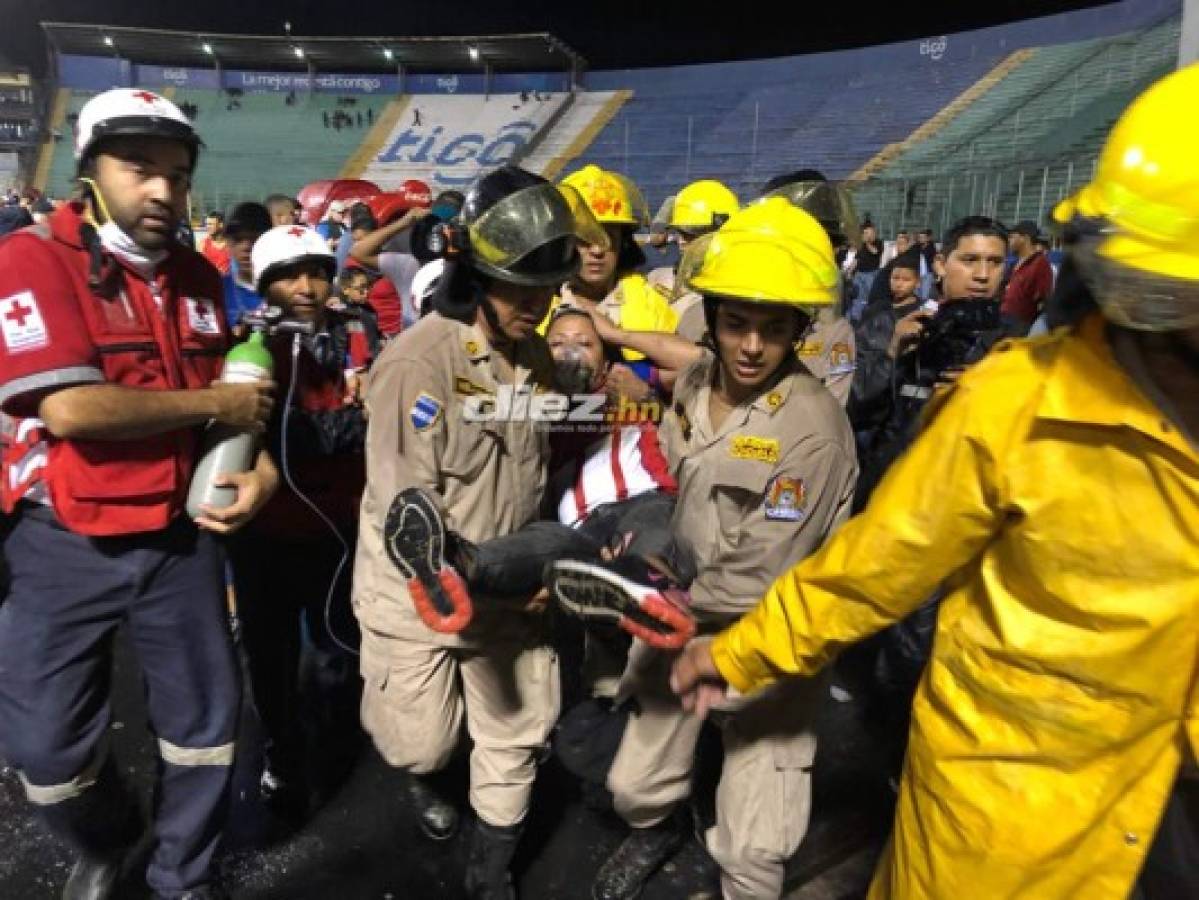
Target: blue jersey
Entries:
(239, 299)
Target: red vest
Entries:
(166, 335)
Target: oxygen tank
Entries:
(226, 450)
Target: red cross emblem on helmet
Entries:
(146, 96)
(296, 231)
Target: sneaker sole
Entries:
(414, 537)
(592, 592)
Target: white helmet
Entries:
(425, 282)
(124, 111)
(285, 246)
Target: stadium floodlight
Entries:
(299, 52)
(387, 53)
(207, 48)
(107, 41)
(474, 53)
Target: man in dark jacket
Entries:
(291, 564)
(13, 215)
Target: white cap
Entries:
(129, 111)
(285, 246)
(425, 282)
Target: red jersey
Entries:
(218, 256)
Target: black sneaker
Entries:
(638, 595)
(415, 538)
(634, 862)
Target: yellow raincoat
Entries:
(1061, 508)
(633, 305)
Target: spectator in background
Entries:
(41, 209)
(399, 266)
(362, 223)
(898, 247)
(351, 310)
(866, 264)
(247, 223)
(283, 209)
(1030, 282)
(1043, 246)
(885, 330)
(13, 215)
(215, 247)
(928, 254)
(332, 225)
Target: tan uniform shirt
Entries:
(763, 491)
(829, 352)
(688, 306)
(487, 476)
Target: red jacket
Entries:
(58, 332)
(325, 452)
(1029, 287)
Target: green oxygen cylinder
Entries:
(224, 449)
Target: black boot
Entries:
(640, 855)
(437, 816)
(284, 791)
(102, 824)
(491, 852)
(93, 878)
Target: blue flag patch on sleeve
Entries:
(425, 413)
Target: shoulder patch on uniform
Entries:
(745, 446)
(22, 324)
(468, 388)
(425, 412)
(684, 422)
(840, 359)
(472, 348)
(774, 399)
(786, 499)
(811, 348)
(201, 315)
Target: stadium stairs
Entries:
(1022, 143)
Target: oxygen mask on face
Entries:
(573, 373)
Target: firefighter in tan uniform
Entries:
(829, 352)
(764, 459)
(442, 418)
(698, 209)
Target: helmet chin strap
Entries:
(108, 235)
(97, 202)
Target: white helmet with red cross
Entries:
(285, 246)
(128, 111)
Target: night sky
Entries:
(609, 33)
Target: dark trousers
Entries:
(282, 589)
(69, 593)
(513, 564)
